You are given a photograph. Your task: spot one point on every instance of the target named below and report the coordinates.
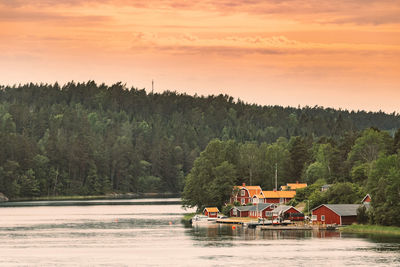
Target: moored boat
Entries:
(202, 219)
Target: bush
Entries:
(226, 209)
(362, 215)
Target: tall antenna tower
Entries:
(152, 86)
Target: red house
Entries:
(260, 210)
(288, 212)
(211, 212)
(281, 197)
(366, 199)
(244, 194)
(340, 214)
(240, 211)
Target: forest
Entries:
(94, 139)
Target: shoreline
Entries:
(100, 197)
(370, 229)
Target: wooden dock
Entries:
(240, 221)
(254, 224)
(282, 227)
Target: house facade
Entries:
(287, 213)
(278, 197)
(244, 194)
(340, 214)
(240, 211)
(211, 212)
(260, 210)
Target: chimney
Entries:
(297, 182)
(274, 189)
(244, 184)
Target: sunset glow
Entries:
(342, 54)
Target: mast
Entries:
(276, 176)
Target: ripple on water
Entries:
(126, 235)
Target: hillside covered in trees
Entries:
(89, 139)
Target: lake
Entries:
(133, 233)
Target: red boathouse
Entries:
(211, 212)
(340, 214)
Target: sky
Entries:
(339, 53)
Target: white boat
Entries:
(202, 219)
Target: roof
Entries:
(243, 208)
(279, 194)
(293, 186)
(259, 196)
(252, 189)
(283, 208)
(366, 196)
(342, 209)
(212, 209)
(260, 206)
(326, 186)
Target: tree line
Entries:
(93, 139)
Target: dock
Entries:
(282, 227)
(239, 221)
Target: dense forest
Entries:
(90, 139)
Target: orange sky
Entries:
(340, 53)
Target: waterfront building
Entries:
(244, 194)
(211, 212)
(340, 214)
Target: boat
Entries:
(202, 219)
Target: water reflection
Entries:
(152, 235)
(224, 232)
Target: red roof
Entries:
(252, 189)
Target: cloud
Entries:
(235, 46)
(359, 12)
(46, 16)
(375, 19)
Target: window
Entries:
(243, 201)
(234, 212)
(323, 218)
(314, 217)
(242, 193)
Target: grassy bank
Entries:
(371, 229)
(187, 217)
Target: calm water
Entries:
(150, 235)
